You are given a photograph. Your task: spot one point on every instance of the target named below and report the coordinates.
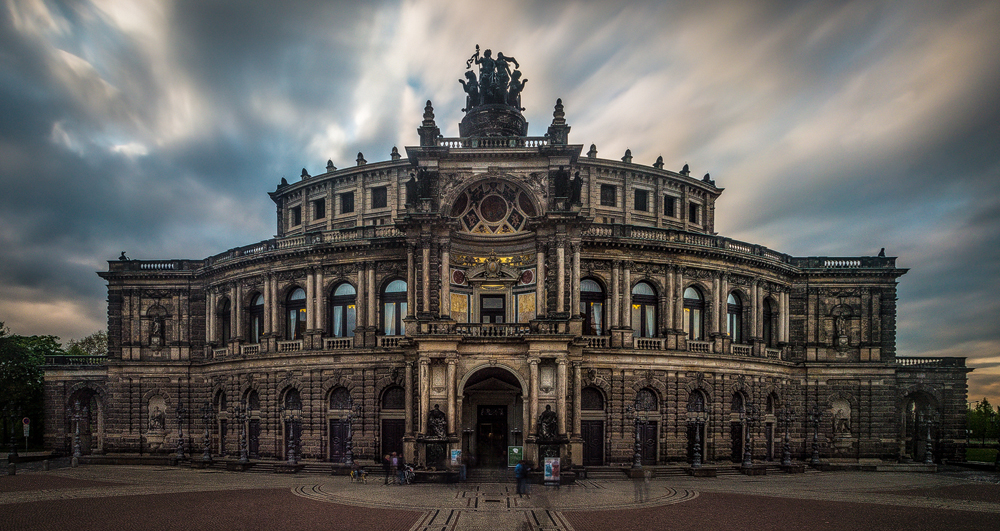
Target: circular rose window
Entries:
(493, 208)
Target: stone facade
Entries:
(492, 278)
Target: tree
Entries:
(95, 344)
(982, 421)
(21, 373)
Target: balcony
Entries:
(930, 362)
(75, 360)
(493, 330)
(338, 343)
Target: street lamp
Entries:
(349, 444)
(699, 422)
(750, 417)
(181, 411)
(815, 416)
(78, 413)
(206, 415)
(785, 417)
(930, 419)
(637, 457)
(291, 417)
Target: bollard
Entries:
(11, 469)
(45, 465)
(75, 462)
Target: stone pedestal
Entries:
(756, 470)
(702, 472)
(285, 468)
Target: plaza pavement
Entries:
(103, 497)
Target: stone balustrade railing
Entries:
(649, 343)
(338, 343)
(492, 330)
(597, 341)
(290, 346)
(742, 350)
(250, 350)
(389, 341)
(704, 347)
(75, 360)
(492, 142)
(931, 362)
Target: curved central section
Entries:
(493, 207)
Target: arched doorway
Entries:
(492, 416)
(592, 413)
(920, 413)
(86, 413)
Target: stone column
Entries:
(362, 298)
(540, 280)
(424, 379)
(372, 293)
(310, 294)
(425, 305)
(679, 299)
(561, 275)
(754, 312)
(577, 396)
(783, 318)
(452, 426)
(533, 410)
(445, 286)
(561, 376)
(615, 295)
(268, 302)
(210, 316)
(574, 289)
(320, 303)
(627, 295)
(669, 302)
(411, 281)
(408, 398)
(234, 312)
(724, 304)
(275, 308)
(715, 325)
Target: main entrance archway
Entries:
(492, 416)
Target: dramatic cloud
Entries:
(837, 128)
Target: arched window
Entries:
(768, 321)
(591, 399)
(739, 403)
(293, 400)
(224, 317)
(696, 402)
(643, 310)
(252, 400)
(394, 398)
(256, 314)
(393, 308)
(645, 400)
(295, 309)
(592, 307)
(343, 310)
(340, 398)
(734, 317)
(694, 310)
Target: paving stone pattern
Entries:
(124, 497)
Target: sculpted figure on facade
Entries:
(438, 422)
(547, 424)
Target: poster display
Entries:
(552, 469)
(514, 454)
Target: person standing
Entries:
(386, 467)
(521, 474)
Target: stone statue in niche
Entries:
(547, 424)
(411, 190)
(156, 332)
(157, 420)
(576, 187)
(438, 423)
(841, 417)
(561, 179)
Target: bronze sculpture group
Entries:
(497, 84)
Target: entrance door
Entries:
(392, 436)
(491, 308)
(338, 440)
(736, 434)
(593, 442)
(647, 436)
(491, 436)
(253, 438)
(769, 437)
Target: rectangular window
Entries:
(295, 216)
(642, 200)
(319, 209)
(669, 203)
(694, 213)
(608, 197)
(380, 197)
(346, 202)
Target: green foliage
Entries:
(21, 361)
(985, 455)
(95, 344)
(983, 421)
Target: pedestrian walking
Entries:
(521, 474)
(386, 467)
(397, 467)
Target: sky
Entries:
(836, 128)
